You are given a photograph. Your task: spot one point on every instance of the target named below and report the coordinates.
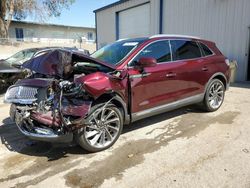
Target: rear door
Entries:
(157, 85)
(188, 56)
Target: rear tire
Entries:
(104, 129)
(214, 96)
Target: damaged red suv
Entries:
(70, 95)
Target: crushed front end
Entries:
(54, 103)
(48, 109)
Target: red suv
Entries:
(69, 94)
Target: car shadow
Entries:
(162, 117)
(14, 141)
(3, 90)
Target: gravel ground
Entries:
(183, 148)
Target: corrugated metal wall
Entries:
(106, 20)
(224, 21)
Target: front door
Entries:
(157, 85)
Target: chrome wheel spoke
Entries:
(103, 135)
(210, 98)
(91, 133)
(219, 87)
(216, 101)
(92, 127)
(213, 89)
(111, 121)
(95, 116)
(109, 115)
(212, 102)
(110, 137)
(95, 139)
(102, 114)
(113, 128)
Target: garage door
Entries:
(134, 22)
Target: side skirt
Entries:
(167, 107)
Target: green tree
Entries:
(20, 9)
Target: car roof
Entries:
(165, 36)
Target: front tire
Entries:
(214, 96)
(105, 127)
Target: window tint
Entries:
(158, 50)
(185, 49)
(206, 50)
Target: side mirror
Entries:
(146, 62)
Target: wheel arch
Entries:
(116, 100)
(220, 76)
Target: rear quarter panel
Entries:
(216, 62)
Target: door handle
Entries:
(204, 69)
(170, 75)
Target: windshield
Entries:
(21, 57)
(116, 52)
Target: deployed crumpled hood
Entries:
(52, 63)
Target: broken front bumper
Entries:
(38, 133)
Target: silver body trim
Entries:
(20, 101)
(21, 94)
(167, 107)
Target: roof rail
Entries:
(119, 40)
(172, 35)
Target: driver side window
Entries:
(158, 50)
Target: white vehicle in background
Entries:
(11, 68)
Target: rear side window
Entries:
(183, 49)
(158, 50)
(206, 50)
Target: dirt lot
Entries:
(183, 148)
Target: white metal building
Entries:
(42, 32)
(226, 22)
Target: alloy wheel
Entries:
(216, 95)
(103, 129)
